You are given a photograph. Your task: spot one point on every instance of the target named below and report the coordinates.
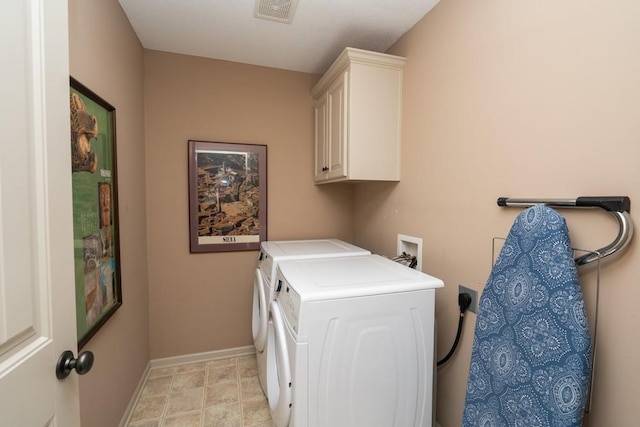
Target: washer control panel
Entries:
(289, 300)
(265, 263)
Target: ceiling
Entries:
(228, 30)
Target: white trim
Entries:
(201, 357)
(180, 360)
(352, 55)
(126, 417)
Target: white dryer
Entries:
(271, 253)
(351, 344)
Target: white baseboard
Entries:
(201, 357)
(134, 400)
(180, 360)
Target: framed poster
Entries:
(95, 210)
(227, 196)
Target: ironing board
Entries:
(531, 357)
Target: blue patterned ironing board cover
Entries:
(531, 357)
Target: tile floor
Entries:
(217, 393)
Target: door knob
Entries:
(66, 363)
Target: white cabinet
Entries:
(358, 118)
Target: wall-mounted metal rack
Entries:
(618, 206)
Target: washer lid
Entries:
(303, 248)
(345, 277)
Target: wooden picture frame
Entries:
(95, 210)
(227, 196)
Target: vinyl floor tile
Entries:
(216, 393)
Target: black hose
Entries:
(464, 301)
(455, 343)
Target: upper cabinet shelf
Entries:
(358, 116)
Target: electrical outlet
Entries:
(474, 297)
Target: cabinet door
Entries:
(320, 166)
(337, 127)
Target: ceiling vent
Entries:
(275, 10)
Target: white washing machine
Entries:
(351, 344)
(271, 253)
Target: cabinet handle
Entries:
(324, 169)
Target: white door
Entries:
(320, 138)
(278, 368)
(337, 127)
(37, 296)
(260, 316)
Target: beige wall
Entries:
(106, 56)
(202, 302)
(501, 98)
(520, 99)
